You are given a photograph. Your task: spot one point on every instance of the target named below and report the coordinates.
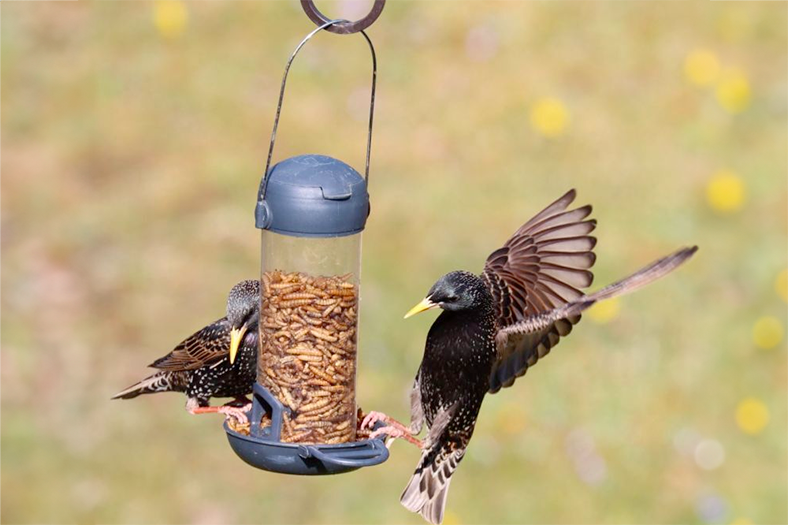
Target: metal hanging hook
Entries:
(326, 25)
(343, 27)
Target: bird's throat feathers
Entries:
(455, 335)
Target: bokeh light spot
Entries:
(781, 284)
(742, 521)
(733, 91)
(170, 17)
(701, 67)
(709, 454)
(590, 466)
(711, 508)
(511, 420)
(605, 311)
(767, 332)
(725, 192)
(450, 518)
(752, 415)
(481, 44)
(549, 117)
(686, 441)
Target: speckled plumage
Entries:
(200, 365)
(493, 327)
(449, 389)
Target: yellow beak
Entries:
(425, 304)
(236, 336)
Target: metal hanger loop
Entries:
(325, 25)
(345, 27)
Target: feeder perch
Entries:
(312, 210)
(263, 449)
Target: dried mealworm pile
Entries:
(308, 328)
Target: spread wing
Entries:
(542, 267)
(205, 347)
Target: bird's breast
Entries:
(458, 360)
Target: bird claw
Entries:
(392, 432)
(393, 429)
(239, 414)
(372, 418)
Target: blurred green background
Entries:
(134, 135)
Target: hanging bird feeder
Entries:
(312, 210)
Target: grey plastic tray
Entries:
(263, 449)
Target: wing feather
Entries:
(204, 347)
(542, 267)
(521, 344)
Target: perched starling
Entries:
(493, 327)
(218, 361)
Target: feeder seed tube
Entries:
(308, 334)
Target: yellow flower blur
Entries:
(549, 117)
(725, 192)
(170, 17)
(701, 67)
(605, 311)
(733, 91)
(742, 521)
(767, 332)
(781, 284)
(752, 416)
(450, 518)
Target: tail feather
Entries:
(637, 280)
(428, 489)
(542, 320)
(644, 276)
(159, 382)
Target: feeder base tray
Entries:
(294, 458)
(263, 449)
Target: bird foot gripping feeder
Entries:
(311, 210)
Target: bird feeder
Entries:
(312, 210)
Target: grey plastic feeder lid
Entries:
(312, 196)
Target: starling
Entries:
(493, 327)
(220, 360)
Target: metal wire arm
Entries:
(327, 25)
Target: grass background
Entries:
(134, 135)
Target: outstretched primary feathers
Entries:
(495, 326)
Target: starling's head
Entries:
(243, 312)
(455, 291)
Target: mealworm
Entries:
(344, 292)
(311, 407)
(288, 398)
(308, 326)
(322, 334)
(284, 286)
(333, 308)
(297, 295)
(294, 302)
(303, 350)
(313, 321)
(314, 358)
(292, 438)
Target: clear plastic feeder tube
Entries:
(309, 333)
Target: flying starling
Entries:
(493, 327)
(218, 361)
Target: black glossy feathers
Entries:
(200, 365)
(495, 326)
